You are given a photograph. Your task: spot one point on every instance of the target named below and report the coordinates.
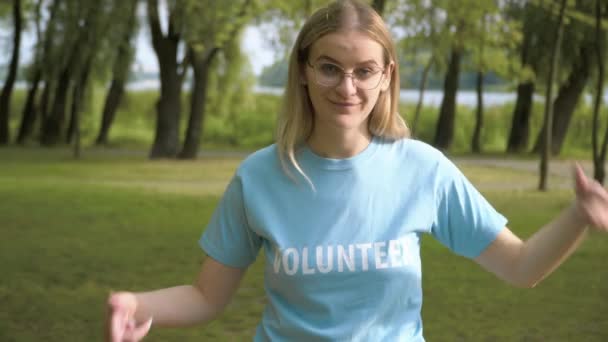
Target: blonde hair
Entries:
(296, 119)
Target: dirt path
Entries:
(560, 172)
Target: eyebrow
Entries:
(369, 61)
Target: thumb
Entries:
(142, 330)
(580, 179)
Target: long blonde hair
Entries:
(296, 119)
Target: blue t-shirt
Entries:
(342, 261)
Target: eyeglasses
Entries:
(330, 75)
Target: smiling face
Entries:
(345, 106)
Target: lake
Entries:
(431, 97)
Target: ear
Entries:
(386, 82)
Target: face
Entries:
(345, 105)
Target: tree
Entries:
(476, 140)
(576, 64)
(80, 29)
(423, 46)
(5, 96)
(599, 155)
(548, 121)
(379, 6)
(120, 70)
(520, 122)
(30, 110)
(461, 31)
(205, 41)
(172, 72)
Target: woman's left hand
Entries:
(591, 200)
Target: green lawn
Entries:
(74, 230)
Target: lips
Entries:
(345, 104)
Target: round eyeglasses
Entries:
(330, 75)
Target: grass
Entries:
(74, 230)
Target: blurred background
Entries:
(121, 121)
(172, 75)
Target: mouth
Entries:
(344, 104)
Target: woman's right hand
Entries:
(121, 325)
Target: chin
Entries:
(346, 121)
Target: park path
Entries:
(560, 171)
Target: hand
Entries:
(121, 325)
(591, 200)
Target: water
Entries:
(433, 98)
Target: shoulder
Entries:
(413, 151)
(261, 161)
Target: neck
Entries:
(339, 145)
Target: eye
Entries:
(365, 73)
(329, 69)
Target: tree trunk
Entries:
(74, 128)
(44, 108)
(379, 5)
(122, 64)
(5, 96)
(168, 106)
(444, 133)
(553, 70)
(201, 67)
(43, 53)
(79, 90)
(421, 89)
(476, 141)
(520, 123)
(117, 89)
(30, 112)
(566, 101)
(599, 157)
(72, 71)
(53, 124)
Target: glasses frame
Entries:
(344, 74)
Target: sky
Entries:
(253, 44)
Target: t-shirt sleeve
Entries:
(228, 237)
(465, 223)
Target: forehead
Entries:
(347, 47)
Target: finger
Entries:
(117, 326)
(581, 181)
(140, 331)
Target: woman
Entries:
(339, 204)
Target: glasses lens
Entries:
(369, 81)
(328, 74)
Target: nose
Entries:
(347, 86)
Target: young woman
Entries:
(339, 204)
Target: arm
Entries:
(526, 263)
(130, 313)
(191, 304)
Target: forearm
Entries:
(175, 306)
(550, 246)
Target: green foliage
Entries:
(281, 21)
(210, 23)
(249, 124)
